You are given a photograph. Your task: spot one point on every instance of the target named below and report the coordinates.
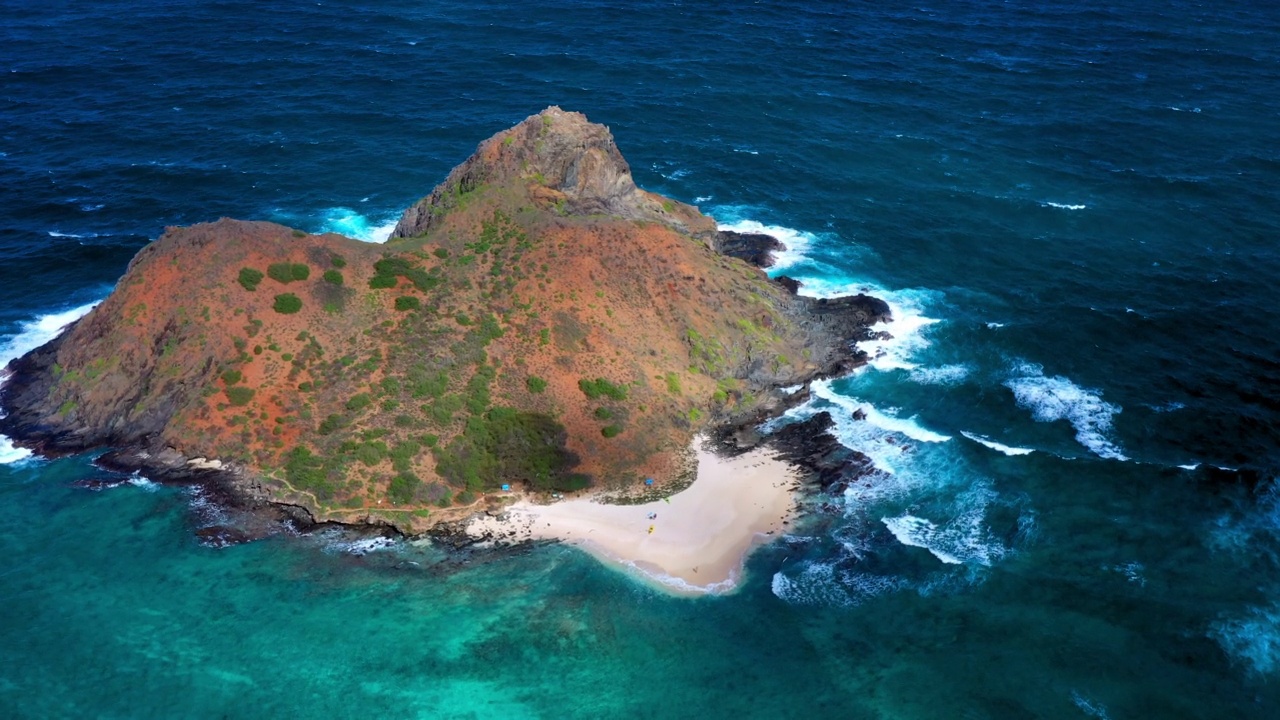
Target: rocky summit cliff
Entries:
(537, 320)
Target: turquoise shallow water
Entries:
(1072, 209)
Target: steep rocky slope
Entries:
(536, 320)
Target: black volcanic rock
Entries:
(755, 248)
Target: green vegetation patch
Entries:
(306, 471)
(249, 278)
(287, 304)
(359, 402)
(673, 383)
(388, 269)
(239, 395)
(231, 377)
(333, 277)
(611, 430)
(407, 302)
(507, 445)
(535, 384)
(288, 272)
(602, 388)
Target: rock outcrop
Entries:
(536, 320)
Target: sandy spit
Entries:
(698, 539)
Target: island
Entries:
(541, 350)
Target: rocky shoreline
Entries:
(252, 512)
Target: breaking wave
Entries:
(31, 335)
(1057, 398)
(998, 447)
(795, 242)
(345, 221)
(961, 540)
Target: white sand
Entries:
(701, 536)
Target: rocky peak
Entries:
(562, 160)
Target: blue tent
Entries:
(506, 488)
(648, 481)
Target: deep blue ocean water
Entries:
(1073, 208)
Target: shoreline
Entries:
(699, 539)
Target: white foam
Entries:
(31, 335)
(795, 242)
(364, 546)
(138, 481)
(904, 335)
(994, 325)
(918, 532)
(814, 584)
(999, 447)
(1062, 206)
(680, 584)
(1090, 707)
(883, 420)
(34, 333)
(10, 454)
(346, 221)
(1253, 639)
(1057, 398)
(1132, 572)
(701, 199)
(1190, 466)
(941, 375)
(792, 389)
(962, 540)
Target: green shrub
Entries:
(507, 445)
(603, 413)
(424, 385)
(388, 269)
(332, 423)
(403, 453)
(333, 277)
(611, 430)
(338, 261)
(359, 402)
(407, 302)
(249, 278)
(403, 487)
(602, 388)
(288, 272)
(371, 453)
(287, 304)
(239, 395)
(306, 471)
(535, 384)
(231, 377)
(673, 383)
(441, 253)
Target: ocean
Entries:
(1071, 207)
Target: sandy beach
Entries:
(700, 536)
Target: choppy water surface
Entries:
(1071, 208)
